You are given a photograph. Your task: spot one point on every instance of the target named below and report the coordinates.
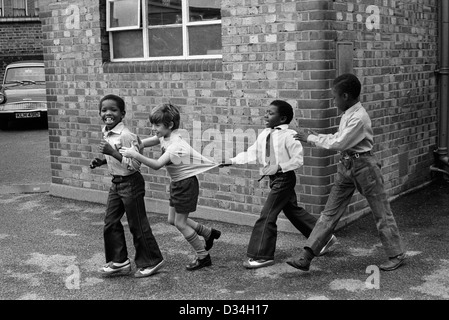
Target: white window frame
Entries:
(143, 18)
(2, 8)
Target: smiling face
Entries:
(161, 130)
(111, 114)
(273, 118)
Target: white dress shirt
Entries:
(288, 151)
(354, 134)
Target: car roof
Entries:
(26, 63)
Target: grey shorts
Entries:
(184, 195)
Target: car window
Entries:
(25, 74)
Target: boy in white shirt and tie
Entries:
(280, 154)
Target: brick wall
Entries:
(20, 39)
(274, 49)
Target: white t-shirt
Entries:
(185, 161)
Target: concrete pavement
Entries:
(52, 249)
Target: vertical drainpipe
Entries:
(443, 73)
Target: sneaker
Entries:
(329, 244)
(254, 264)
(116, 268)
(393, 263)
(215, 234)
(301, 263)
(199, 263)
(149, 271)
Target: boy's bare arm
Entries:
(152, 163)
(151, 141)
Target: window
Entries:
(164, 29)
(1, 8)
(19, 8)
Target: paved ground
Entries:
(52, 248)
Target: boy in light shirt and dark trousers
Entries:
(358, 169)
(280, 155)
(126, 194)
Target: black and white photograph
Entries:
(224, 158)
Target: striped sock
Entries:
(197, 245)
(203, 231)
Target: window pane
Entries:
(205, 40)
(127, 44)
(162, 12)
(200, 10)
(165, 42)
(124, 13)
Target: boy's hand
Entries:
(105, 147)
(303, 134)
(226, 163)
(97, 162)
(270, 170)
(129, 152)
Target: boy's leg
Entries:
(298, 216)
(339, 198)
(262, 243)
(148, 253)
(113, 233)
(370, 184)
(336, 205)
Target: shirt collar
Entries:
(353, 109)
(117, 129)
(280, 127)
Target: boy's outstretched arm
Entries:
(152, 163)
(149, 142)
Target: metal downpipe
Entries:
(442, 157)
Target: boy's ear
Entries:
(171, 125)
(283, 119)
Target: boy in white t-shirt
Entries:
(183, 163)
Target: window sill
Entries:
(163, 66)
(19, 19)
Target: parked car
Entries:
(23, 93)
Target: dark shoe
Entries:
(328, 245)
(113, 268)
(215, 234)
(149, 271)
(302, 262)
(199, 263)
(393, 263)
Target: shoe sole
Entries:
(155, 270)
(294, 265)
(261, 265)
(328, 245)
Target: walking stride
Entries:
(358, 169)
